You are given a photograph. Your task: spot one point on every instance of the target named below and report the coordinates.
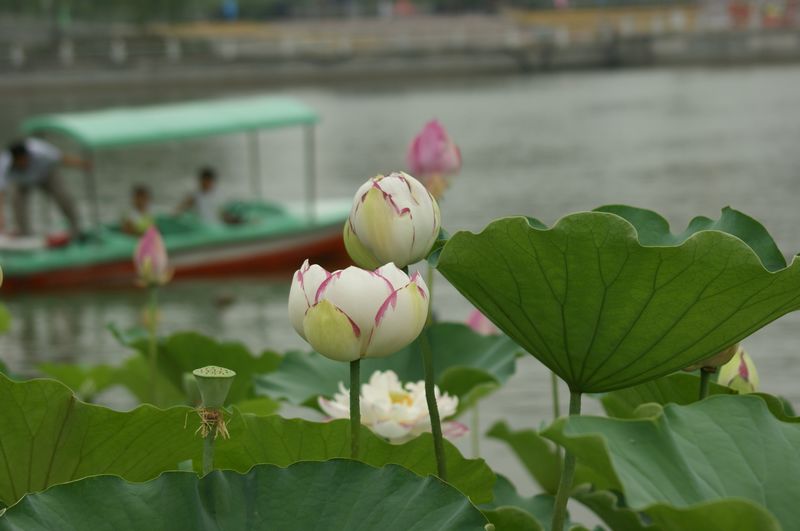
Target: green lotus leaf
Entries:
(184, 352)
(678, 388)
(652, 229)
(5, 319)
(510, 511)
(282, 441)
(603, 310)
(468, 365)
(87, 381)
(335, 495)
(725, 460)
(606, 505)
(541, 458)
(48, 437)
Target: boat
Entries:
(271, 237)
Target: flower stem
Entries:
(705, 377)
(355, 407)
(208, 450)
(433, 408)
(554, 389)
(152, 326)
(475, 431)
(429, 282)
(567, 472)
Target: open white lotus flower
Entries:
(354, 313)
(394, 411)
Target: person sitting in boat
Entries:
(33, 163)
(139, 219)
(204, 202)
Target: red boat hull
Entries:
(263, 258)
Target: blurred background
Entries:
(683, 107)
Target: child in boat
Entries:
(204, 202)
(139, 219)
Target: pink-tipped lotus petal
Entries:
(454, 430)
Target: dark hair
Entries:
(140, 189)
(207, 172)
(18, 149)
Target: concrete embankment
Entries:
(329, 50)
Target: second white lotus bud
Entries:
(394, 219)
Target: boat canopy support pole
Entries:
(255, 164)
(311, 172)
(91, 187)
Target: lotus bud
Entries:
(739, 373)
(354, 313)
(393, 219)
(481, 324)
(150, 259)
(717, 360)
(214, 383)
(432, 156)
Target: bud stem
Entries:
(355, 407)
(152, 328)
(567, 472)
(433, 407)
(705, 377)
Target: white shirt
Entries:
(207, 206)
(44, 157)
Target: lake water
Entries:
(684, 142)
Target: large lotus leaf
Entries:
(467, 364)
(284, 441)
(690, 466)
(336, 495)
(183, 352)
(604, 311)
(49, 437)
(541, 458)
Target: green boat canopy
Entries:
(158, 123)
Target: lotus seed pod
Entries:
(214, 383)
(191, 389)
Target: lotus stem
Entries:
(567, 472)
(475, 432)
(554, 389)
(152, 328)
(429, 282)
(705, 378)
(208, 450)
(355, 407)
(433, 408)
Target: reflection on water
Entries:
(680, 141)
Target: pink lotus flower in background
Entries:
(432, 156)
(354, 313)
(395, 411)
(480, 324)
(150, 259)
